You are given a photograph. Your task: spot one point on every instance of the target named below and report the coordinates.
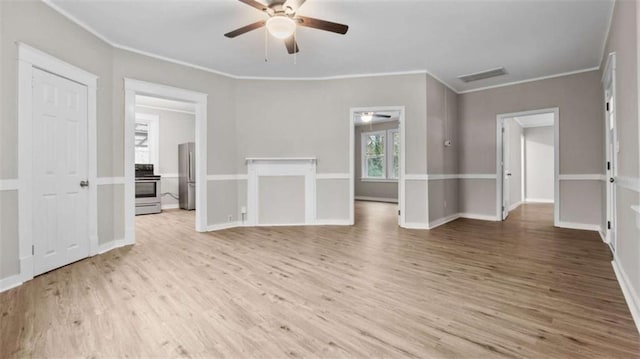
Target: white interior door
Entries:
(506, 172)
(612, 150)
(60, 203)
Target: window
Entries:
(146, 139)
(381, 155)
(374, 155)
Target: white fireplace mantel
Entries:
(280, 166)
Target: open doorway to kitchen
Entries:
(527, 163)
(377, 164)
(165, 154)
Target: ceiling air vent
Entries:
(483, 75)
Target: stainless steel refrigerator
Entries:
(187, 175)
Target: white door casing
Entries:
(60, 163)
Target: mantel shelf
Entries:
(279, 159)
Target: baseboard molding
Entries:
(481, 217)
(580, 226)
(333, 222)
(515, 205)
(603, 236)
(538, 200)
(415, 225)
(221, 226)
(171, 206)
(106, 247)
(10, 282)
(444, 220)
(627, 290)
(376, 199)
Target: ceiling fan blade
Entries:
(381, 116)
(292, 45)
(294, 4)
(255, 4)
(245, 29)
(322, 24)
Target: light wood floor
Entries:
(467, 289)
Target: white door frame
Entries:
(28, 59)
(401, 175)
(556, 157)
(135, 87)
(609, 82)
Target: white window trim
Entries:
(390, 134)
(154, 137)
(388, 156)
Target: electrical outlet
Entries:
(230, 218)
(243, 210)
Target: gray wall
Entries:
(623, 40)
(579, 98)
(273, 114)
(175, 128)
(37, 25)
(539, 163)
(386, 190)
(442, 124)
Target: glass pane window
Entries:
(381, 154)
(374, 155)
(142, 142)
(394, 168)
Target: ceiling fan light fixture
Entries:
(366, 117)
(281, 27)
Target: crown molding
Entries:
(316, 78)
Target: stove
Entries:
(148, 195)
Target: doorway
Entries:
(527, 161)
(143, 103)
(377, 161)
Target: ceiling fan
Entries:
(368, 116)
(282, 22)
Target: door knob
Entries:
(84, 184)
(612, 180)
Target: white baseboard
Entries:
(415, 225)
(171, 206)
(10, 282)
(580, 226)
(482, 217)
(221, 226)
(538, 200)
(376, 199)
(444, 220)
(333, 222)
(603, 235)
(627, 290)
(105, 247)
(515, 205)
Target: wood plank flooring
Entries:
(469, 289)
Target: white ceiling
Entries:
(540, 120)
(530, 38)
